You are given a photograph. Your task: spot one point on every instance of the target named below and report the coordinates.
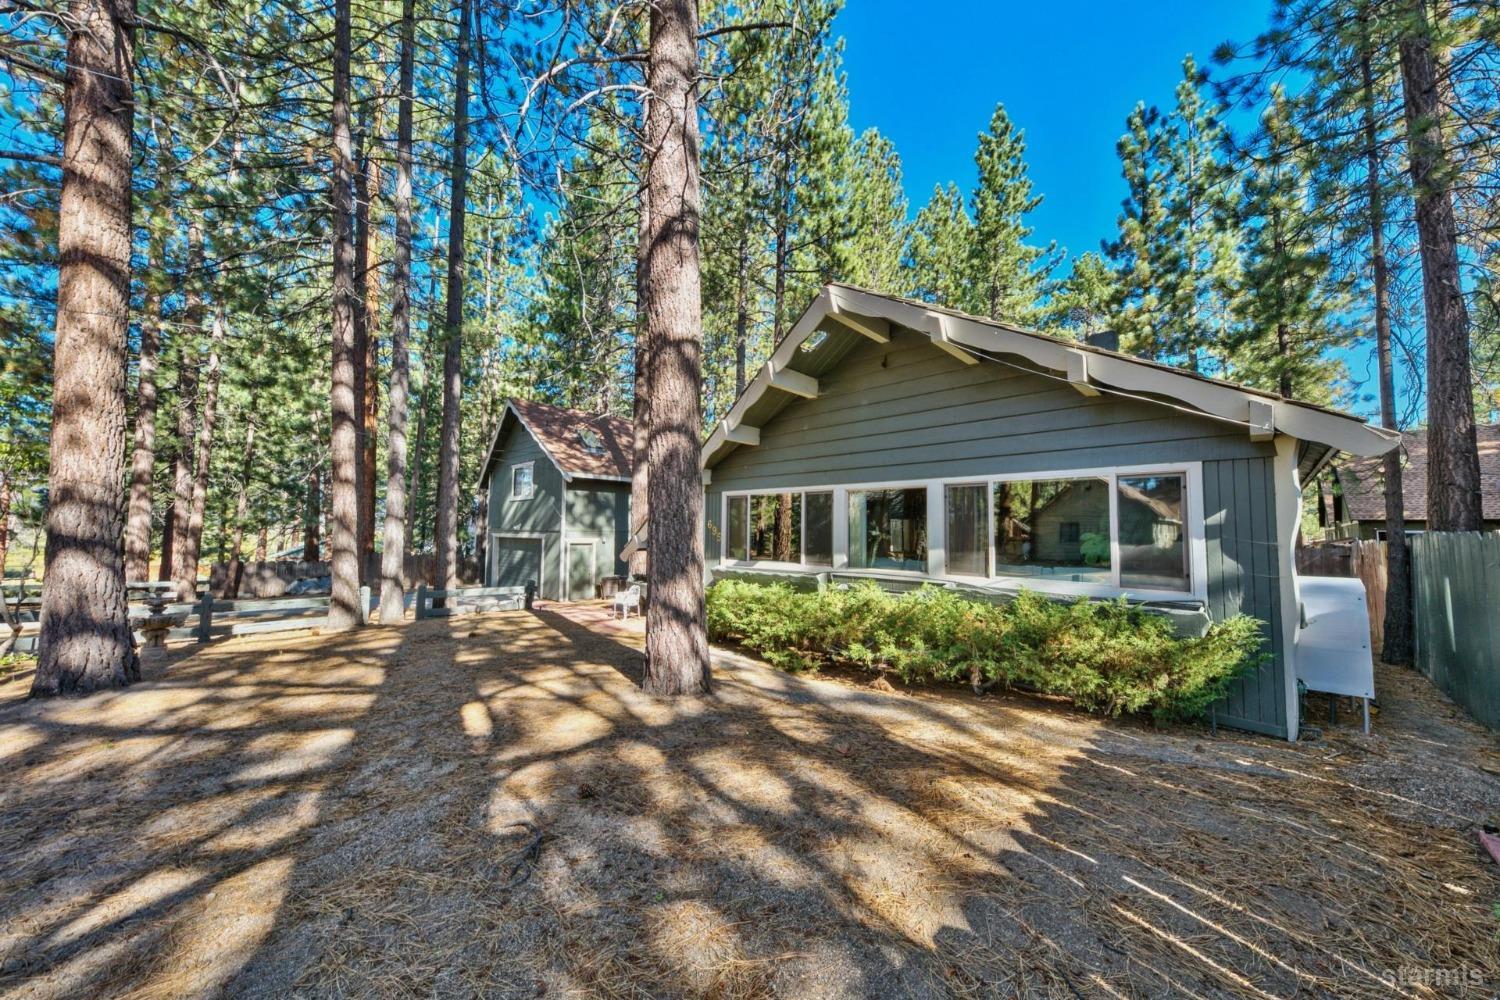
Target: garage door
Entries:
(518, 561)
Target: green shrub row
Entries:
(1106, 656)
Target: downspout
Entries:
(1288, 493)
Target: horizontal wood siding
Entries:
(906, 410)
(1244, 570)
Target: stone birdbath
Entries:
(154, 628)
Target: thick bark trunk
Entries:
(446, 541)
(236, 568)
(312, 515)
(1453, 497)
(784, 530)
(168, 536)
(366, 342)
(85, 629)
(676, 641)
(640, 501)
(396, 537)
(261, 540)
(204, 455)
(1396, 642)
(143, 456)
(363, 514)
(183, 575)
(343, 606)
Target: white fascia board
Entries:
(489, 453)
(936, 327)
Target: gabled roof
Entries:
(556, 430)
(820, 339)
(1363, 480)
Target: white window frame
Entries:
(530, 468)
(937, 568)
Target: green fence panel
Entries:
(1455, 583)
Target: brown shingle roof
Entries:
(556, 430)
(1363, 482)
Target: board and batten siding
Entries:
(908, 411)
(539, 516)
(599, 511)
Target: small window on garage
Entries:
(521, 485)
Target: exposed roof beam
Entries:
(1078, 373)
(937, 328)
(878, 330)
(740, 434)
(796, 383)
(1262, 420)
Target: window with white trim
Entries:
(522, 484)
(888, 529)
(1057, 528)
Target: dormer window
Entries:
(592, 442)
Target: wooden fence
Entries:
(470, 600)
(1455, 580)
(1362, 559)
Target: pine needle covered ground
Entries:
(488, 807)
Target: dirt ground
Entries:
(487, 806)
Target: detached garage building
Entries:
(558, 486)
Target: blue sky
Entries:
(1067, 72)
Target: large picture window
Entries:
(776, 527)
(1153, 547)
(888, 529)
(1054, 528)
(817, 529)
(968, 533)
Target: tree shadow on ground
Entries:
(489, 806)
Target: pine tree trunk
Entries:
(784, 551)
(1396, 632)
(1453, 497)
(85, 639)
(168, 538)
(343, 606)
(143, 455)
(361, 336)
(640, 500)
(1284, 359)
(185, 576)
(204, 455)
(396, 537)
(676, 641)
(312, 514)
(236, 568)
(262, 537)
(741, 315)
(446, 541)
(5, 501)
(366, 341)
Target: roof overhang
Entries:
(489, 452)
(1090, 370)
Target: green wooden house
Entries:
(557, 489)
(894, 440)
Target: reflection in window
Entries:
(817, 530)
(776, 527)
(734, 528)
(1153, 551)
(1055, 528)
(522, 486)
(968, 538)
(888, 529)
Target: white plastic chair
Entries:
(628, 598)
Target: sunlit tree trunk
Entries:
(1453, 497)
(85, 639)
(143, 454)
(185, 576)
(204, 453)
(343, 606)
(676, 641)
(640, 501)
(394, 545)
(236, 568)
(446, 541)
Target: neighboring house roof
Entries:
(566, 436)
(804, 354)
(1362, 481)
